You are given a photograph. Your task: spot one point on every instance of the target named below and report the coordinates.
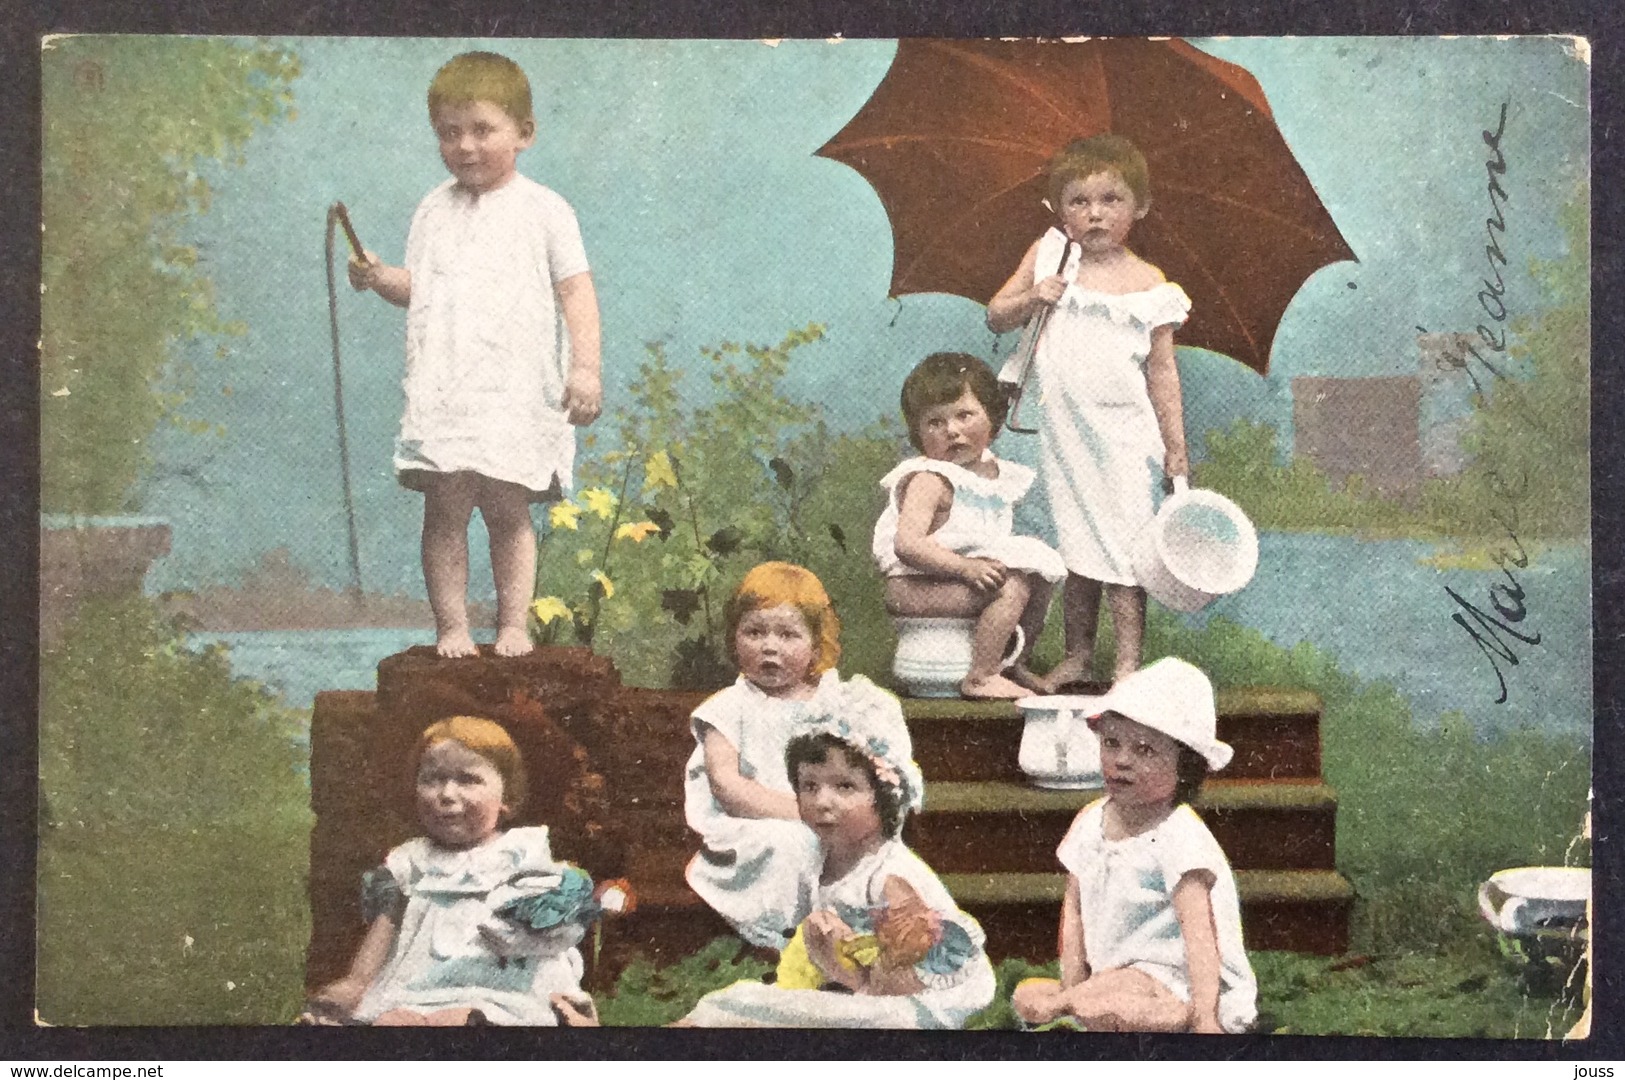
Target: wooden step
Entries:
(1289, 910)
(1275, 731)
(999, 826)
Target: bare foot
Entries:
(992, 687)
(513, 641)
(1069, 670)
(455, 643)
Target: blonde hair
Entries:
(482, 76)
(1083, 158)
(772, 584)
(487, 738)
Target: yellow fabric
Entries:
(858, 952)
(796, 969)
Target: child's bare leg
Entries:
(448, 500)
(990, 640)
(1080, 607)
(1127, 604)
(1033, 615)
(1125, 999)
(506, 508)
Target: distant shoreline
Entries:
(221, 609)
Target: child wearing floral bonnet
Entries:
(880, 943)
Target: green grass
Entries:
(174, 832)
(159, 926)
(1464, 990)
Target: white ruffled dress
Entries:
(981, 522)
(1100, 449)
(453, 950)
(951, 996)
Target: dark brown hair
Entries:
(814, 749)
(941, 378)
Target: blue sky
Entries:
(707, 217)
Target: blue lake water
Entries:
(1377, 606)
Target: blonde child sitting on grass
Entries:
(470, 923)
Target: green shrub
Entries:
(135, 730)
(173, 843)
(641, 561)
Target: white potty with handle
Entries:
(1057, 748)
(933, 654)
(1199, 547)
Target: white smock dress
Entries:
(1126, 890)
(486, 352)
(981, 522)
(454, 950)
(755, 872)
(958, 978)
(1100, 449)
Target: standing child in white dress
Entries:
(880, 942)
(493, 260)
(1151, 923)
(758, 862)
(945, 539)
(470, 923)
(1111, 420)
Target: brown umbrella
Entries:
(957, 137)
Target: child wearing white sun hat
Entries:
(1151, 923)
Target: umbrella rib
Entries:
(1197, 262)
(1001, 71)
(1257, 211)
(886, 142)
(948, 227)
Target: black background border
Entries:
(21, 1040)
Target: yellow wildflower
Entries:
(564, 515)
(549, 608)
(636, 531)
(658, 473)
(608, 585)
(600, 501)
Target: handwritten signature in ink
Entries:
(1506, 597)
(1497, 635)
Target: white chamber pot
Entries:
(1057, 748)
(1199, 547)
(933, 655)
(1529, 899)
